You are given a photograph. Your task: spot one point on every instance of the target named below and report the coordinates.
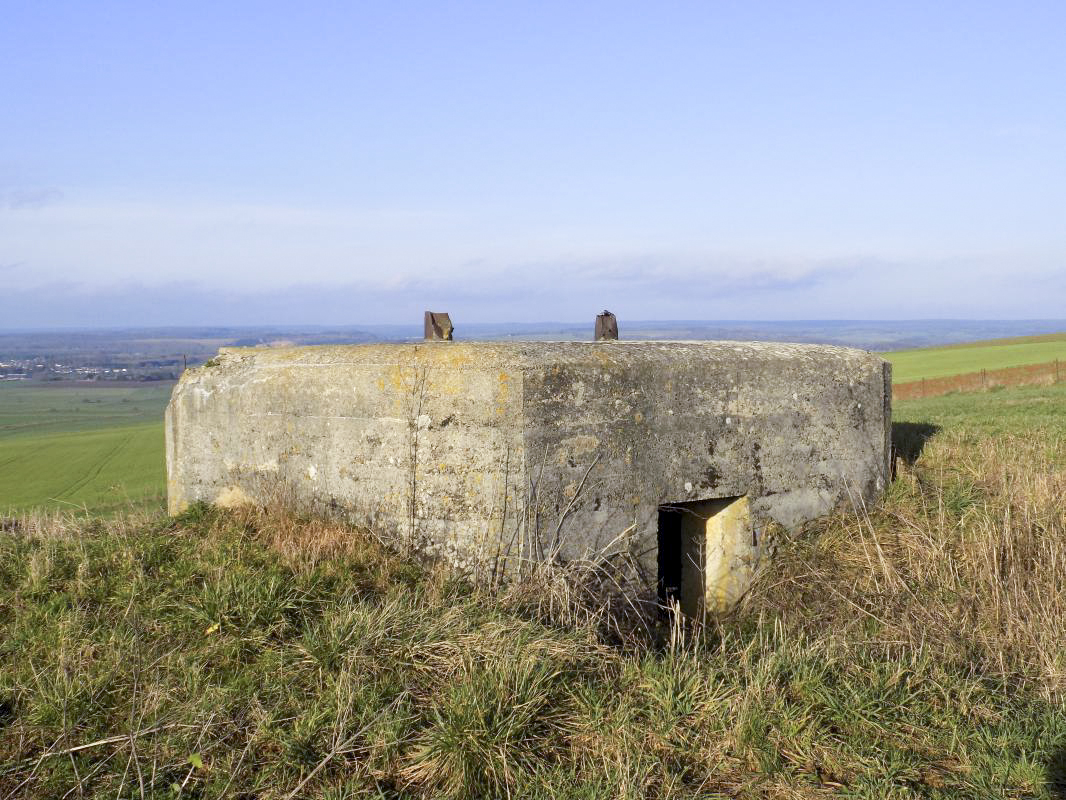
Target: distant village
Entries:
(44, 369)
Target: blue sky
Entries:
(707, 160)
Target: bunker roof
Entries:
(620, 353)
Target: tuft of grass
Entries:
(908, 650)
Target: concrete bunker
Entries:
(501, 456)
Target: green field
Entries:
(1015, 411)
(943, 362)
(99, 448)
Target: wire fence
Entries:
(1030, 375)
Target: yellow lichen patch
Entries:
(503, 392)
(576, 447)
(401, 378)
(448, 386)
(233, 497)
(459, 359)
(176, 502)
(603, 356)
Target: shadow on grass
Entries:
(1056, 773)
(909, 438)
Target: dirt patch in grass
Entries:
(1032, 375)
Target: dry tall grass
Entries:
(914, 649)
(964, 561)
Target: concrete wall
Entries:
(503, 452)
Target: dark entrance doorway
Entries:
(705, 553)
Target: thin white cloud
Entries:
(387, 263)
(537, 291)
(17, 199)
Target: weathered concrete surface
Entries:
(500, 453)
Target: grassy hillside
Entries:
(912, 651)
(940, 362)
(98, 447)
